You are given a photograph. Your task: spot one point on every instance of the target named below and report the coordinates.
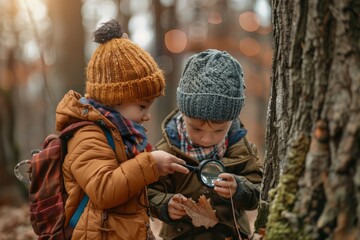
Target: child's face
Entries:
(138, 112)
(206, 133)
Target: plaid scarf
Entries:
(132, 133)
(195, 151)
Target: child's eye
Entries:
(142, 107)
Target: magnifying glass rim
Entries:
(206, 162)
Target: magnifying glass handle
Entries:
(191, 168)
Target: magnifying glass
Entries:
(22, 171)
(207, 172)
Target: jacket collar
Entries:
(171, 136)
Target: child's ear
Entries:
(124, 35)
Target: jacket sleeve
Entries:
(162, 191)
(243, 162)
(159, 198)
(94, 167)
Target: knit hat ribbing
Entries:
(211, 87)
(120, 71)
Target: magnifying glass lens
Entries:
(209, 173)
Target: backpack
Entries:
(47, 194)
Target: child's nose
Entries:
(146, 117)
(206, 139)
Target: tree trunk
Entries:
(164, 105)
(68, 43)
(312, 163)
(9, 152)
(10, 193)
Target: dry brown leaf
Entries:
(201, 213)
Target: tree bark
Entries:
(278, 110)
(278, 119)
(315, 94)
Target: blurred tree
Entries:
(165, 20)
(9, 152)
(8, 147)
(68, 42)
(45, 44)
(187, 27)
(26, 115)
(312, 159)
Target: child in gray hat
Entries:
(206, 126)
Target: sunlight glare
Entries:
(107, 9)
(140, 29)
(37, 9)
(31, 51)
(139, 5)
(263, 10)
(143, 37)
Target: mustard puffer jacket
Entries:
(115, 185)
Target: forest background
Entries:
(45, 46)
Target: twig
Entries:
(41, 52)
(233, 212)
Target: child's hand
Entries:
(168, 163)
(227, 186)
(175, 210)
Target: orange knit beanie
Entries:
(120, 71)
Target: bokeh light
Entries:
(249, 21)
(264, 30)
(198, 32)
(249, 46)
(175, 41)
(214, 17)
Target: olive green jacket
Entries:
(240, 159)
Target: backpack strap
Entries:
(68, 132)
(109, 138)
(75, 218)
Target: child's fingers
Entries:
(175, 214)
(224, 192)
(179, 168)
(224, 182)
(226, 176)
(175, 209)
(227, 186)
(179, 198)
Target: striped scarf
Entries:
(193, 150)
(132, 133)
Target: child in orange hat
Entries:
(122, 83)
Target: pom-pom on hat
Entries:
(211, 87)
(120, 71)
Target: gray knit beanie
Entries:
(211, 87)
